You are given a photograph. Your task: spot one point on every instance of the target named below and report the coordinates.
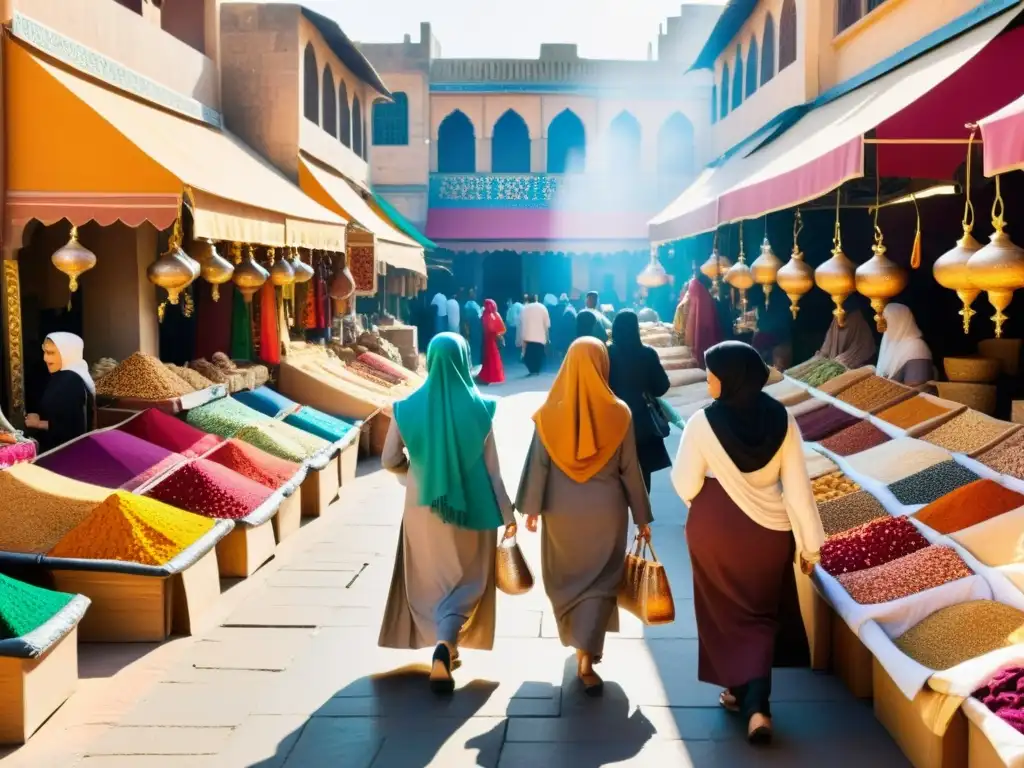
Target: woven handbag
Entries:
(512, 574)
(645, 590)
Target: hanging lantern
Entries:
(343, 285)
(175, 270)
(249, 276)
(836, 276)
(303, 272)
(281, 272)
(715, 267)
(213, 268)
(654, 274)
(795, 277)
(998, 268)
(880, 279)
(739, 276)
(766, 268)
(950, 269)
(73, 259)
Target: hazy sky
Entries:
(606, 29)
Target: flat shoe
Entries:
(728, 702)
(441, 681)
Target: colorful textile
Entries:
(210, 489)
(241, 328)
(24, 608)
(111, 459)
(270, 338)
(15, 453)
(1004, 696)
(493, 370)
(213, 318)
(318, 423)
(171, 433)
(702, 327)
(259, 466)
(267, 401)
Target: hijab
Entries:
(901, 342)
(582, 423)
(445, 424)
(71, 348)
(853, 345)
(750, 425)
(626, 331)
(550, 300)
(702, 328)
(492, 321)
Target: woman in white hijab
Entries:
(67, 408)
(903, 355)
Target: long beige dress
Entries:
(442, 588)
(583, 538)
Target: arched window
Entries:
(310, 85)
(624, 143)
(737, 79)
(391, 121)
(787, 34)
(456, 144)
(365, 138)
(714, 103)
(510, 144)
(330, 121)
(567, 143)
(751, 68)
(768, 50)
(357, 126)
(724, 96)
(344, 116)
(675, 146)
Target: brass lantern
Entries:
(343, 285)
(998, 268)
(73, 259)
(175, 270)
(740, 277)
(836, 276)
(715, 267)
(213, 268)
(281, 272)
(303, 272)
(795, 277)
(249, 276)
(765, 268)
(880, 279)
(654, 274)
(950, 269)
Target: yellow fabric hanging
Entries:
(582, 423)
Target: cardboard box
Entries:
(320, 489)
(126, 608)
(32, 689)
(288, 518)
(348, 461)
(851, 660)
(245, 549)
(817, 616)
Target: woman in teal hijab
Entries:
(441, 442)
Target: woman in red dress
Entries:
(492, 371)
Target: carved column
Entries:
(14, 361)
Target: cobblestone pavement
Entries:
(289, 673)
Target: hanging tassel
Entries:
(915, 252)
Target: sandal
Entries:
(727, 701)
(441, 681)
(759, 730)
(593, 685)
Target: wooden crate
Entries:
(126, 608)
(288, 517)
(817, 618)
(245, 549)
(196, 590)
(320, 489)
(380, 423)
(348, 462)
(851, 660)
(32, 689)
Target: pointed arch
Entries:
(724, 95)
(344, 116)
(624, 138)
(567, 143)
(737, 79)
(510, 144)
(330, 114)
(768, 50)
(310, 85)
(752, 62)
(391, 121)
(456, 144)
(787, 34)
(357, 126)
(676, 145)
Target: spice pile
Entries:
(925, 569)
(111, 459)
(912, 412)
(854, 439)
(896, 459)
(969, 432)
(834, 485)
(318, 423)
(194, 379)
(931, 484)
(969, 505)
(266, 438)
(224, 417)
(249, 461)
(826, 371)
(1004, 696)
(133, 529)
(40, 506)
(142, 377)
(962, 632)
(1007, 457)
(210, 489)
(873, 393)
(875, 543)
(375, 375)
(267, 401)
(384, 366)
(850, 511)
(168, 432)
(824, 422)
(24, 608)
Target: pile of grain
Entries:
(224, 417)
(142, 377)
(834, 485)
(1007, 457)
(896, 459)
(194, 379)
(925, 569)
(873, 393)
(969, 432)
(264, 437)
(849, 511)
(972, 504)
(931, 484)
(962, 632)
(876, 543)
(912, 412)
(854, 439)
(824, 422)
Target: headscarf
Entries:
(749, 424)
(492, 321)
(71, 348)
(550, 300)
(440, 303)
(853, 345)
(582, 423)
(901, 342)
(445, 424)
(702, 328)
(626, 331)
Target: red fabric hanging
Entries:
(270, 339)
(213, 319)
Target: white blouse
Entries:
(778, 496)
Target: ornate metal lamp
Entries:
(836, 276)
(249, 276)
(73, 259)
(213, 268)
(795, 277)
(998, 268)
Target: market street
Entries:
(292, 676)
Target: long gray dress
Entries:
(583, 538)
(442, 588)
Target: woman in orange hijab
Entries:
(582, 475)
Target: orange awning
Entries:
(81, 150)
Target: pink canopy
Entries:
(1003, 133)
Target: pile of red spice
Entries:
(859, 437)
(876, 543)
(925, 569)
(211, 490)
(969, 505)
(170, 433)
(249, 461)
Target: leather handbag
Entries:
(662, 427)
(645, 590)
(512, 575)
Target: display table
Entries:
(320, 488)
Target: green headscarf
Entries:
(444, 425)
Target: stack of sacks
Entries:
(111, 459)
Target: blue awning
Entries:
(734, 16)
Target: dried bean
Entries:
(925, 569)
(897, 459)
(848, 512)
(193, 378)
(912, 412)
(875, 543)
(832, 486)
(932, 484)
(873, 393)
(859, 437)
(969, 432)
(823, 422)
(142, 377)
(1007, 458)
(962, 632)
